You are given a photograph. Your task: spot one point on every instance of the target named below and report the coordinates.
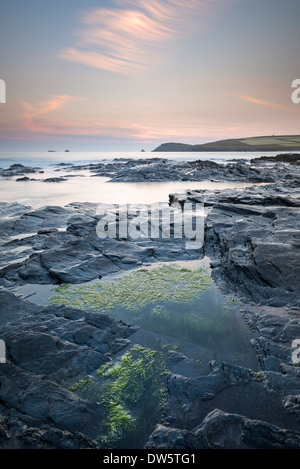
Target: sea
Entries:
(85, 188)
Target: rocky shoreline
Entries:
(163, 170)
(252, 241)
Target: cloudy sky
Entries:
(129, 74)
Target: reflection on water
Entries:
(97, 190)
(208, 322)
(173, 301)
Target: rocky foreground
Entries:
(252, 240)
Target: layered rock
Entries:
(61, 245)
(252, 238)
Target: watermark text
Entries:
(155, 221)
(2, 92)
(2, 351)
(296, 351)
(296, 92)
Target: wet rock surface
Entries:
(161, 170)
(61, 245)
(252, 238)
(257, 170)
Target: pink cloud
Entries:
(130, 39)
(101, 61)
(46, 118)
(53, 104)
(60, 117)
(262, 102)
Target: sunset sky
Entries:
(132, 74)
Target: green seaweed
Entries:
(83, 384)
(256, 375)
(102, 369)
(164, 300)
(127, 390)
(136, 290)
(119, 421)
(170, 347)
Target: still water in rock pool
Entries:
(178, 309)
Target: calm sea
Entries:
(48, 158)
(98, 189)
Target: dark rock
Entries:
(18, 170)
(53, 179)
(77, 254)
(25, 178)
(172, 438)
(253, 239)
(292, 158)
(160, 169)
(221, 430)
(20, 432)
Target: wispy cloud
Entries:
(58, 116)
(32, 113)
(44, 118)
(262, 102)
(128, 39)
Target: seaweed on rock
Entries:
(129, 389)
(136, 290)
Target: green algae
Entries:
(256, 375)
(129, 390)
(165, 300)
(170, 347)
(83, 384)
(136, 290)
(119, 421)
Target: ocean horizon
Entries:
(46, 158)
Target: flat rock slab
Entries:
(56, 245)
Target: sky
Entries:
(124, 75)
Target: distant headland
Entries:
(266, 143)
